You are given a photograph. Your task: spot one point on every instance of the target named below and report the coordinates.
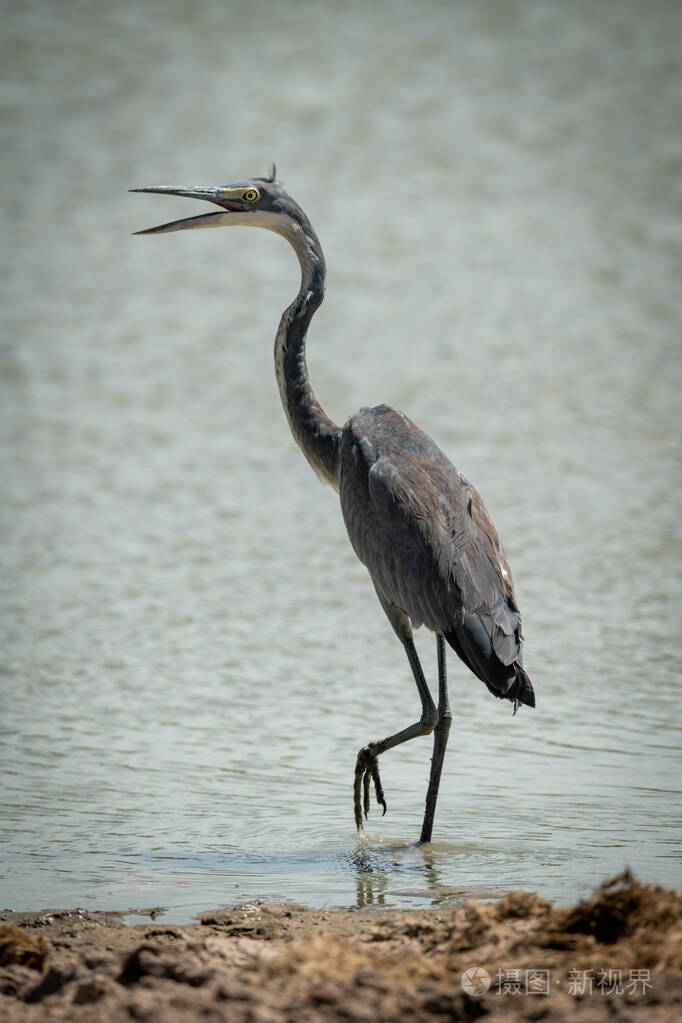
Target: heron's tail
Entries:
(521, 690)
(504, 680)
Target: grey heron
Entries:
(417, 524)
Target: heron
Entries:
(416, 523)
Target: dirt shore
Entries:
(617, 955)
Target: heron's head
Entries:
(257, 202)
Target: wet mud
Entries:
(615, 955)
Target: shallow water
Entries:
(191, 655)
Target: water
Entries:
(191, 654)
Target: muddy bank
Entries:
(617, 955)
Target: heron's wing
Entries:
(400, 556)
(455, 578)
(481, 572)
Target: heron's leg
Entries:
(366, 767)
(440, 741)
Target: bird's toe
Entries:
(378, 787)
(367, 771)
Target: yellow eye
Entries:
(251, 194)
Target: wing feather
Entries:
(429, 543)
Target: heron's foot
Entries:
(366, 770)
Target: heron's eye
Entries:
(251, 194)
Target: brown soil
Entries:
(258, 963)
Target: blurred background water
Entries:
(191, 655)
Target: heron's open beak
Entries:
(227, 198)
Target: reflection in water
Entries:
(372, 880)
(381, 869)
(371, 890)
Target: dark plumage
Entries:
(418, 525)
(430, 545)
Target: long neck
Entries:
(314, 432)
